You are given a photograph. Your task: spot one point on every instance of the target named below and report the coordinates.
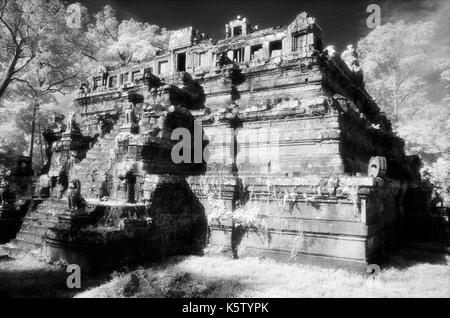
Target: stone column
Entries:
(266, 51)
(227, 31)
(247, 51)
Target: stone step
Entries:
(49, 208)
(99, 153)
(35, 225)
(40, 220)
(93, 163)
(44, 216)
(92, 166)
(4, 252)
(29, 237)
(39, 216)
(35, 229)
(102, 144)
(45, 211)
(52, 203)
(21, 246)
(15, 252)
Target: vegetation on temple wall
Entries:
(254, 212)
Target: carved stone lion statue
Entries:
(75, 200)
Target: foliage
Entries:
(407, 71)
(40, 57)
(407, 275)
(394, 58)
(43, 56)
(12, 145)
(439, 173)
(110, 41)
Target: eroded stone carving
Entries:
(377, 167)
(74, 198)
(105, 190)
(6, 196)
(330, 51)
(83, 90)
(130, 182)
(350, 57)
(71, 123)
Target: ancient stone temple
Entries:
(287, 156)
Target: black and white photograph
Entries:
(224, 156)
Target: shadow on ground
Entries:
(407, 272)
(417, 253)
(169, 279)
(29, 278)
(32, 279)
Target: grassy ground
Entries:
(28, 277)
(410, 273)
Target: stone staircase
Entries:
(43, 216)
(98, 160)
(35, 226)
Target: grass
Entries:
(30, 278)
(410, 273)
(220, 276)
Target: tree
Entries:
(12, 145)
(108, 41)
(394, 59)
(23, 121)
(40, 57)
(44, 56)
(408, 74)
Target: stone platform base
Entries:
(108, 236)
(319, 249)
(100, 257)
(344, 222)
(354, 266)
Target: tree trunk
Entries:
(10, 72)
(33, 124)
(394, 78)
(40, 144)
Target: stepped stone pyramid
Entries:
(296, 160)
